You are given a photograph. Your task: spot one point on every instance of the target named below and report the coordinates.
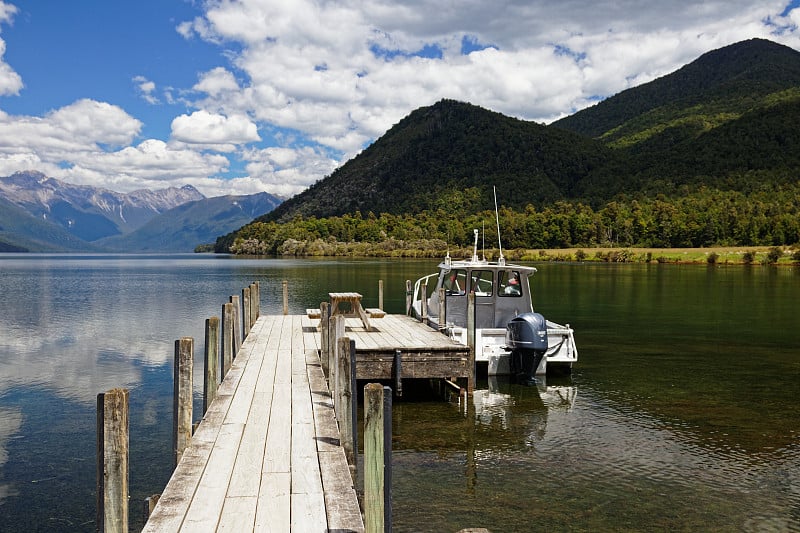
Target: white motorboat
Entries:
(510, 337)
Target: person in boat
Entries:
(512, 288)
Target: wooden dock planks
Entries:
(259, 461)
(267, 455)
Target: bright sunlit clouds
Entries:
(237, 97)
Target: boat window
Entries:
(482, 282)
(509, 283)
(455, 282)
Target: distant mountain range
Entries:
(727, 120)
(43, 214)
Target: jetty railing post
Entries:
(324, 325)
(149, 504)
(380, 294)
(211, 360)
(345, 401)
(442, 310)
(285, 297)
(227, 338)
(377, 458)
(237, 329)
(112, 461)
(409, 296)
(255, 299)
(336, 332)
(246, 323)
(471, 343)
(182, 396)
(424, 300)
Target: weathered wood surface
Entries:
(266, 456)
(426, 353)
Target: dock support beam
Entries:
(246, 321)
(377, 458)
(112, 461)
(442, 310)
(182, 396)
(227, 338)
(397, 372)
(380, 294)
(285, 297)
(237, 329)
(409, 296)
(211, 360)
(471, 343)
(345, 402)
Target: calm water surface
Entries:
(680, 415)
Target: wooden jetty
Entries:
(267, 455)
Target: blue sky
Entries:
(237, 97)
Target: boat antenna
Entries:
(500, 260)
(483, 240)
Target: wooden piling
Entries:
(380, 294)
(409, 296)
(345, 399)
(237, 328)
(324, 325)
(112, 461)
(211, 361)
(246, 324)
(377, 458)
(182, 396)
(336, 332)
(149, 504)
(227, 338)
(285, 297)
(471, 342)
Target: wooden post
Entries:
(258, 300)
(471, 342)
(211, 361)
(285, 297)
(324, 324)
(345, 401)
(112, 461)
(246, 321)
(380, 294)
(397, 371)
(149, 504)
(182, 396)
(409, 296)
(237, 328)
(227, 338)
(336, 332)
(442, 310)
(377, 458)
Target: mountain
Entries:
(716, 121)
(438, 151)
(43, 214)
(183, 228)
(90, 213)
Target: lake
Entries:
(681, 413)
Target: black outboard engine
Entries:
(526, 337)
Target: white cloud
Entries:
(214, 131)
(146, 89)
(286, 171)
(10, 81)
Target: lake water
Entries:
(681, 413)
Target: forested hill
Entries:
(723, 126)
(437, 151)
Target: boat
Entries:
(510, 338)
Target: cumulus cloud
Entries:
(214, 131)
(306, 85)
(10, 81)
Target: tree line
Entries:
(765, 216)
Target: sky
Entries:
(239, 97)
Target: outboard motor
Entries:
(526, 337)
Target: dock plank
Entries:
(267, 455)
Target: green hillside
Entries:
(707, 155)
